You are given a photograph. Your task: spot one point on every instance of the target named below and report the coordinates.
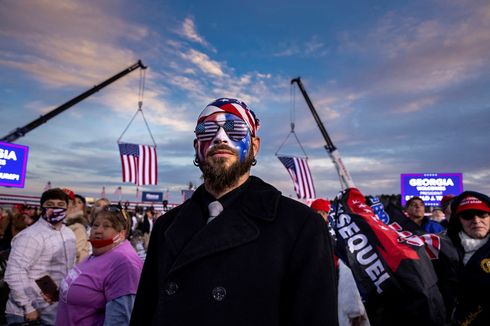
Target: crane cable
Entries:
(292, 113)
(141, 92)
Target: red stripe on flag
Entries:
(300, 173)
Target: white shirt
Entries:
(37, 251)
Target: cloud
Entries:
(312, 47)
(76, 54)
(416, 105)
(189, 32)
(423, 55)
(203, 62)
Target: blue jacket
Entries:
(431, 226)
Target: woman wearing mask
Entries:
(101, 289)
(76, 220)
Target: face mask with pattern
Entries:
(56, 214)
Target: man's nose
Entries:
(221, 137)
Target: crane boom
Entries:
(344, 176)
(19, 132)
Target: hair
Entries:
(119, 219)
(411, 200)
(94, 210)
(18, 223)
(55, 193)
(82, 199)
(218, 178)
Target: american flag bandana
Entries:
(300, 173)
(235, 107)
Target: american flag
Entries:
(300, 173)
(236, 129)
(206, 130)
(139, 164)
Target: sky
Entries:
(401, 87)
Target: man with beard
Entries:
(237, 252)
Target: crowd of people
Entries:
(64, 245)
(236, 253)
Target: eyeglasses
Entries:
(112, 208)
(117, 209)
(235, 129)
(470, 215)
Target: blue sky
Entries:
(402, 87)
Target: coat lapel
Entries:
(228, 230)
(191, 239)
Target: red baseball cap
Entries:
(321, 205)
(70, 193)
(447, 199)
(471, 203)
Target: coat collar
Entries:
(190, 238)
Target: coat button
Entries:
(171, 288)
(219, 293)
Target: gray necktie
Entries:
(215, 208)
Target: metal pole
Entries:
(19, 132)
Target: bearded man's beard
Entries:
(217, 176)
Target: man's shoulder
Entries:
(292, 204)
(32, 237)
(168, 217)
(35, 230)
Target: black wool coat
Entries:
(265, 260)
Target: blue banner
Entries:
(13, 164)
(152, 196)
(431, 187)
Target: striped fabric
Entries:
(139, 164)
(300, 173)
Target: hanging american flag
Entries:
(300, 173)
(139, 164)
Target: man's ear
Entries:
(255, 145)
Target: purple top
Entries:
(86, 289)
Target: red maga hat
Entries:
(447, 199)
(321, 205)
(69, 192)
(471, 203)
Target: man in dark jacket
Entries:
(469, 230)
(237, 252)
